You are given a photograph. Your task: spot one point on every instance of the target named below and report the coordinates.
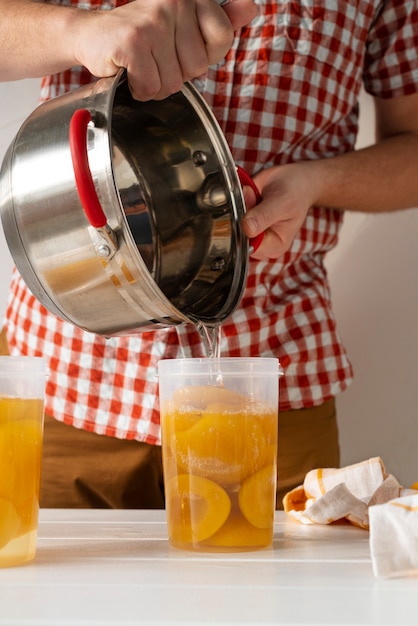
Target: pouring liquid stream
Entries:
(211, 337)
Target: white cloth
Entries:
(366, 496)
(394, 537)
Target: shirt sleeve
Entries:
(391, 61)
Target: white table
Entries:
(115, 568)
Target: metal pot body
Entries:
(161, 244)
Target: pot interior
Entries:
(181, 200)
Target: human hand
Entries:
(287, 191)
(161, 44)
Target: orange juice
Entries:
(219, 454)
(21, 424)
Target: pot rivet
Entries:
(218, 264)
(103, 250)
(199, 158)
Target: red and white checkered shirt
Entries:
(287, 91)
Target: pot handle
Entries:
(245, 179)
(83, 178)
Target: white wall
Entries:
(375, 293)
(373, 275)
(17, 100)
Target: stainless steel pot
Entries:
(124, 216)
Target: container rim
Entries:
(29, 365)
(262, 365)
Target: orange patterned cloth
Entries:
(330, 495)
(365, 495)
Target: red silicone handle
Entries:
(245, 179)
(83, 178)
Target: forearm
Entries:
(379, 178)
(161, 44)
(36, 39)
(376, 179)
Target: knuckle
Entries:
(217, 49)
(144, 91)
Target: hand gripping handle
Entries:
(245, 179)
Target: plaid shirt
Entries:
(287, 91)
